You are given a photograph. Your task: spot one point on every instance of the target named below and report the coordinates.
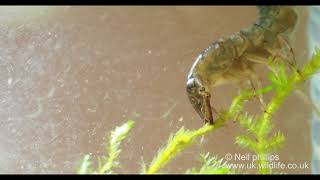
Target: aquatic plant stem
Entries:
(180, 140)
(113, 147)
(288, 86)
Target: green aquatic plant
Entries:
(183, 138)
(106, 163)
(260, 127)
(211, 165)
(257, 138)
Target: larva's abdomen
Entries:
(277, 19)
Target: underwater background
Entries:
(70, 74)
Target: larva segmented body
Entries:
(232, 59)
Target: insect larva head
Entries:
(196, 99)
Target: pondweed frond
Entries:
(175, 145)
(180, 140)
(85, 165)
(261, 126)
(211, 165)
(106, 163)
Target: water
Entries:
(68, 78)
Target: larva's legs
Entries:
(285, 52)
(254, 80)
(258, 59)
(255, 84)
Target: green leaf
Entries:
(113, 149)
(263, 127)
(246, 142)
(275, 142)
(211, 165)
(85, 166)
(248, 123)
(106, 163)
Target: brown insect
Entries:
(232, 59)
